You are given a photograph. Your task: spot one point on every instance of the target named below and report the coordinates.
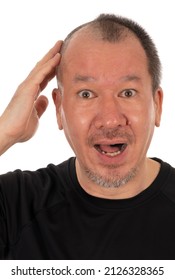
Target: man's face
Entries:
(107, 109)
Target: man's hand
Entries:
(19, 121)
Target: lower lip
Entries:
(107, 159)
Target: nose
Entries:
(110, 114)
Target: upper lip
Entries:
(111, 147)
(100, 146)
(107, 142)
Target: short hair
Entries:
(114, 28)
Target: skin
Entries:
(120, 108)
(110, 72)
(20, 119)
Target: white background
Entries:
(28, 28)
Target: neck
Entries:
(146, 175)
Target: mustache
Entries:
(110, 134)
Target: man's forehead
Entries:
(85, 40)
(82, 78)
(84, 34)
(80, 59)
(86, 78)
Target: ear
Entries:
(158, 101)
(57, 99)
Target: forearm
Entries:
(5, 141)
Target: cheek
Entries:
(143, 122)
(75, 125)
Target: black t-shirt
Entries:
(47, 215)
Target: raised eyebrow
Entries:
(83, 78)
(129, 78)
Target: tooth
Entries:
(111, 154)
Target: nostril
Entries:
(110, 120)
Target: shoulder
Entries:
(50, 172)
(167, 176)
(40, 186)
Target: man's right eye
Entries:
(86, 94)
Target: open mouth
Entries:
(111, 150)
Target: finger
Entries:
(36, 82)
(47, 66)
(51, 53)
(46, 73)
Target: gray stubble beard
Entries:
(113, 180)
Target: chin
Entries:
(111, 178)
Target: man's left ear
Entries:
(57, 97)
(158, 100)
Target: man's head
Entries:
(109, 99)
(112, 28)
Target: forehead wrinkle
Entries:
(83, 78)
(129, 78)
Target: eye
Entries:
(127, 93)
(86, 94)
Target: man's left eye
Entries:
(128, 93)
(86, 94)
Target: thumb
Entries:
(41, 105)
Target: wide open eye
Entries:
(128, 93)
(86, 94)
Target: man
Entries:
(110, 201)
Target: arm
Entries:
(20, 119)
